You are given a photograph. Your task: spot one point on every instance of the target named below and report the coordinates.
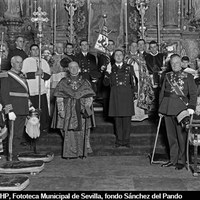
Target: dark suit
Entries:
(171, 105)
(121, 107)
(15, 97)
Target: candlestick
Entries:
(158, 24)
(89, 20)
(189, 4)
(35, 9)
(126, 25)
(54, 29)
(1, 48)
(142, 6)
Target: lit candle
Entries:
(126, 25)
(158, 24)
(1, 50)
(35, 9)
(89, 20)
(189, 5)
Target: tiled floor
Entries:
(111, 173)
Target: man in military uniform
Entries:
(121, 79)
(178, 93)
(15, 99)
(87, 63)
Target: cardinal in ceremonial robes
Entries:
(73, 114)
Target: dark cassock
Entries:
(154, 64)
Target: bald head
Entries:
(16, 63)
(74, 68)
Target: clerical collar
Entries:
(133, 53)
(119, 64)
(59, 53)
(84, 53)
(19, 48)
(154, 54)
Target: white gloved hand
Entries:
(103, 67)
(109, 68)
(12, 116)
(31, 108)
(191, 111)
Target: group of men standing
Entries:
(128, 84)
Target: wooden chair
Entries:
(193, 139)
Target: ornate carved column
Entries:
(142, 6)
(133, 20)
(77, 11)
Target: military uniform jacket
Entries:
(14, 92)
(123, 85)
(170, 102)
(88, 66)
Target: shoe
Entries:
(167, 164)
(179, 166)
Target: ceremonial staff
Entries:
(38, 18)
(1, 49)
(158, 25)
(142, 6)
